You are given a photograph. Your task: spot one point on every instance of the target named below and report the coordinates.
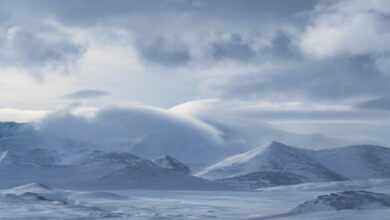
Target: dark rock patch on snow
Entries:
(263, 179)
(344, 200)
(172, 163)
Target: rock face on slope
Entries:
(270, 165)
(344, 200)
(171, 163)
(262, 179)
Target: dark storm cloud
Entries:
(87, 94)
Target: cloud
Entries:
(233, 48)
(247, 124)
(271, 50)
(336, 79)
(87, 94)
(348, 28)
(21, 115)
(164, 53)
(36, 51)
(338, 53)
(252, 123)
(382, 103)
(169, 32)
(145, 131)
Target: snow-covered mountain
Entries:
(68, 165)
(146, 132)
(280, 164)
(109, 150)
(356, 161)
(274, 160)
(198, 139)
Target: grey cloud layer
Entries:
(334, 79)
(317, 50)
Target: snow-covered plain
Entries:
(36, 201)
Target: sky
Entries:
(309, 66)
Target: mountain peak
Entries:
(277, 144)
(272, 147)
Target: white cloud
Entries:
(246, 51)
(146, 131)
(348, 28)
(21, 115)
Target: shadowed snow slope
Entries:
(280, 164)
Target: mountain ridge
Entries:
(277, 164)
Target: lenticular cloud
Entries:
(145, 131)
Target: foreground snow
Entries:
(37, 201)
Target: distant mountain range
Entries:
(67, 164)
(27, 156)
